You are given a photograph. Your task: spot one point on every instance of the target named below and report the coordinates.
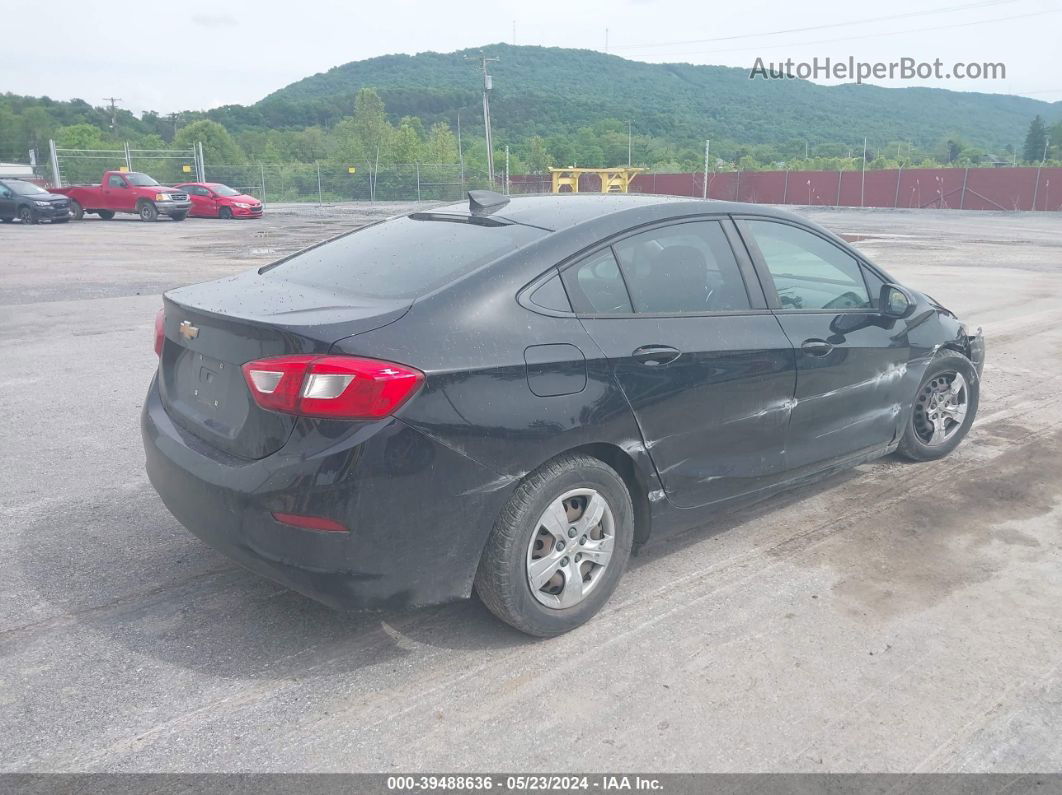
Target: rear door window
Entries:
(596, 286)
(688, 268)
(403, 258)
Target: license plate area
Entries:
(210, 387)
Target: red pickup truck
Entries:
(126, 192)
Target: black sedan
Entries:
(31, 203)
(507, 396)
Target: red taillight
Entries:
(160, 331)
(310, 522)
(335, 387)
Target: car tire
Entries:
(77, 212)
(179, 216)
(225, 213)
(147, 211)
(942, 411)
(105, 215)
(546, 520)
(26, 216)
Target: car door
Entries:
(118, 193)
(203, 203)
(7, 202)
(850, 358)
(701, 360)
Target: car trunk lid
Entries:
(212, 329)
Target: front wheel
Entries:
(26, 216)
(225, 214)
(944, 408)
(179, 216)
(559, 547)
(148, 211)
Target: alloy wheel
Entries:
(941, 408)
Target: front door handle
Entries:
(656, 355)
(816, 347)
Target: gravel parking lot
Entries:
(897, 618)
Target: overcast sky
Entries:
(196, 54)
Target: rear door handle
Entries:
(656, 355)
(815, 347)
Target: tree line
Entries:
(373, 137)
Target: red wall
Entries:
(948, 188)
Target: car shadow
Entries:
(138, 579)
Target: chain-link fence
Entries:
(66, 166)
(331, 182)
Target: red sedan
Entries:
(214, 200)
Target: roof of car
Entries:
(555, 212)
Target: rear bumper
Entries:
(418, 512)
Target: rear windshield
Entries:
(403, 258)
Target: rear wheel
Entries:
(179, 216)
(225, 214)
(147, 211)
(26, 216)
(943, 410)
(106, 215)
(77, 212)
(559, 547)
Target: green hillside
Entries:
(563, 106)
(546, 91)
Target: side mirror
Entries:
(895, 301)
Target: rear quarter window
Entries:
(403, 258)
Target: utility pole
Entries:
(114, 109)
(863, 174)
(707, 144)
(488, 84)
(1036, 187)
(460, 152)
(606, 41)
(628, 143)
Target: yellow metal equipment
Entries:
(613, 180)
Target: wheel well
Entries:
(637, 486)
(957, 347)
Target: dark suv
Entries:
(31, 203)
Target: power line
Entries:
(868, 35)
(963, 7)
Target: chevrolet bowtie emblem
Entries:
(188, 331)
